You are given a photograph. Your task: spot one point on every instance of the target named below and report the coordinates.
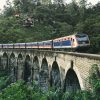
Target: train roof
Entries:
(46, 41)
(19, 43)
(31, 42)
(7, 44)
(78, 33)
(63, 37)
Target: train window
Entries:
(80, 35)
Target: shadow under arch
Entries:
(19, 66)
(12, 60)
(55, 80)
(44, 75)
(12, 55)
(27, 69)
(71, 83)
(5, 62)
(20, 56)
(35, 69)
(13, 67)
(44, 65)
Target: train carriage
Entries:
(19, 45)
(34, 45)
(40, 45)
(5, 46)
(31, 45)
(63, 42)
(1, 45)
(45, 44)
(10, 46)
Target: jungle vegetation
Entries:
(20, 90)
(28, 21)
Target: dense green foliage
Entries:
(22, 91)
(49, 21)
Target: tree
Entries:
(46, 2)
(8, 9)
(83, 4)
(73, 12)
(58, 2)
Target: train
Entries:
(75, 41)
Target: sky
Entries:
(88, 1)
(3, 2)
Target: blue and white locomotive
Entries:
(72, 41)
(68, 42)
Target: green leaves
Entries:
(21, 91)
(49, 21)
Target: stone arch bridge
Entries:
(49, 68)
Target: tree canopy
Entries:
(37, 21)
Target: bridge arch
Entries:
(44, 65)
(12, 55)
(55, 75)
(71, 81)
(20, 56)
(27, 69)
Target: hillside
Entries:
(28, 22)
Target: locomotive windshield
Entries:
(81, 35)
(82, 38)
